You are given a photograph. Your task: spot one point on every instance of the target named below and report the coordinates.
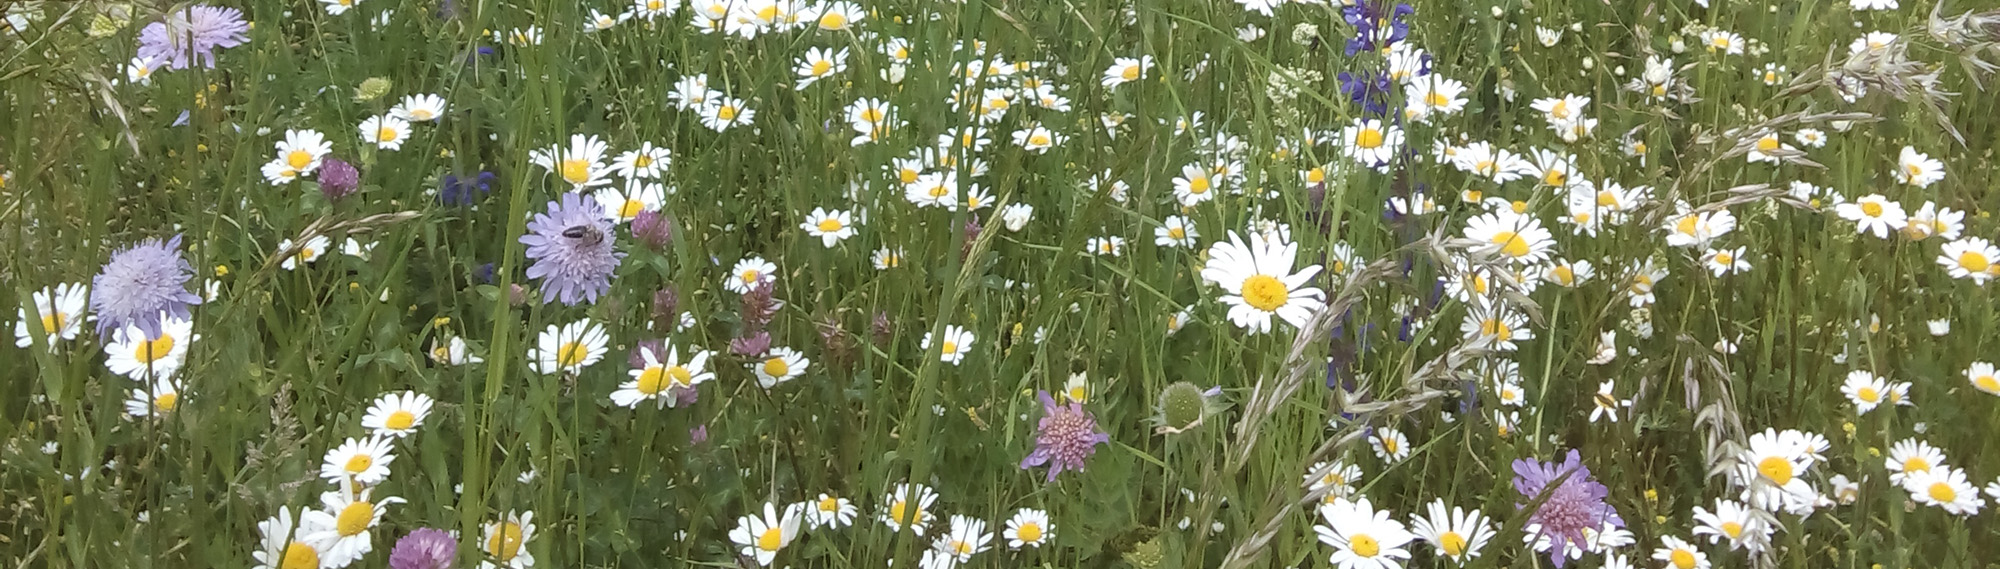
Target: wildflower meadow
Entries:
(1353, 284)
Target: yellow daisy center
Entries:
(1873, 209)
(631, 209)
(386, 134)
(359, 463)
(354, 518)
(298, 159)
(1038, 139)
(1732, 529)
(833, 21)
(1777, 469)
(829, 504)
(829, 225)
(1497, 329)
(1564, 275)
(299, 556)
(1030, 532)
(750, 276)
(1452, 543)
(422, 114)
(1079, 394)
(1687, 225)
(506, 542)
(53, 321)
(1389, 445)
(571, 354)
(1974, 261)
(1916, 464)
(726, 112)
(1176, 233)
(575, 171)
(1767, 144)
(1682, 559)
(1131, 73)
(1868, 394)
(1942, 492)
(1987, 383)
(949, 348)
(1198, 185)
(1368, 138)
(149, 351)
(821, 67)
(1554, 178)
(166, 401)
(1511, 243)
(776, 367)
(771, 540)
(1364, 545)
(1436, 99)
(1265, 292)
(1724, 258)
(400, 420)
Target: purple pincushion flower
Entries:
(1066, 437)
(424, 548)
(191, 36)
(142, 285)
(571, 247)
(1577, 504)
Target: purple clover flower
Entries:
(338, 179)
(191, 36)
(1577, 504)
(141, 286)
(424, 548)
(653, 229)
(571, 247)
(1065, 438)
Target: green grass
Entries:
(289, 360)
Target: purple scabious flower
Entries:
(1066, 437)
(424, 548)
(142, 285)
(571, 247)
(1575, 505)
(338, 179)
(191, 36)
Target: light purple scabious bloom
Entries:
(1067, 436)
(571, 246)
(191, 36)
(424, 548)
(142, 285)
(1572, 507)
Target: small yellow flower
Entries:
(222, 270)
(440, 321)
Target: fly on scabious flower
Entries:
(191, 36)
(1575, 504)
(142, 286)
(1066, 437)
(571, 247)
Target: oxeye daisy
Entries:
(954, 345)
(420, 108)
(568, 349)
(1517, 238)
(361, 461)
(819, 63)
(651, 9)
(1727, 42)
(347, 538)
(1810, 137)
(1370, 142)
(648, 162)
(837, 15)
(1568, 274)
(830, 512)
(1259, 282)
(1036, 139)
(1944, 487)
(622, 206)
(581, 164)
(778, 366)
(338, 7)
(1772, 468)
(1110, 246)
(1029, 527)
(1194, 185)
(141, 356)
(966, 536)
(505, 541)
(1495, 324)
(61, 309)
(1724, 261)
(143, 285)
(302, 150)
(1698, 228)
(1607, 404)
(1126, 70)
(140, 70)
(1865, 390)
(1176, 231)
(1910, 457)
(283, 544)
(830, 226)
(1969, 258)
(1458, 535)
(763, 536)
(908, 505)
(1916, 169)
(1680, 554)
(748, 273)
(1341, 476)
(397, 414)
(1362, 537)
(303, 253)
(160, 400)
(385, 132)
(1433, 95)
(723, 112)
(1873, 213)
(887, 258)
(453, 352)
(1767, 147)
(663, 379)
(1389, 444)
(1981, 374)
(1731, 520)
(571, 246)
